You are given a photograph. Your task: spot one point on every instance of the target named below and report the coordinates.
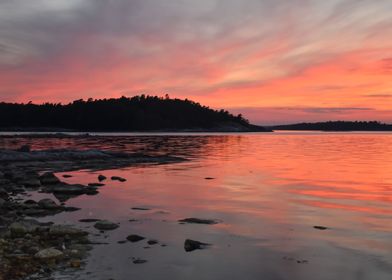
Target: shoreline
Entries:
(30, 249)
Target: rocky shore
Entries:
(30, 249)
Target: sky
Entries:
(274, 61)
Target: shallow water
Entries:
(268, 191)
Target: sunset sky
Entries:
(275, 61)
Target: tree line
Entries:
(139, 113)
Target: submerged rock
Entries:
(320, 227)
(135, 238)
(198, 221)
(117, 178)
(152, 242)
(105, 225)
(95, 184)
(191, 245)
(89, 220)
(139, 261)
(140, 208)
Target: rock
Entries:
(198, 221)
(75, 263)
(67, 176)
(139, 261)
(320, 227)
(69, 189)
(105, 225)
(101, 178)
(140, 208)
(96, 184)
(61, 230)
(191, 245)
(49, 178)
(30, 183)
(121, 241)
(91, 190)
(21, 228)
(70, 209)
(89, 220)
(49, 253)
(117, 178)
(30, 203)
(209, 178)
(152, 242)
(3, 194)
(47, 203)
(135, 238)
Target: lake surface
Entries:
(269, 191)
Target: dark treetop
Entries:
(337, 126)
(139, 113)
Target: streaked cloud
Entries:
(225, 53)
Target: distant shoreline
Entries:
(336, 126)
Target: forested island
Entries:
(138, 113)
(338, 126)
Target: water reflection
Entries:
(269, 191)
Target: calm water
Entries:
(269, 191)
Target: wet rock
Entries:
(75, 263)
(101, 178)
(139, 261)
(30, 183)
(198, 221)
(152, 242)
(2, 203)
(135, 238)
(21, 228)
(3, 194)
(47, 203)
(61, 230)
(96, 184)
(89, 220)
(91, 191)
(140, 208)
(49, 178)
(117, 178)
(105, 225)
(191, 245)
(70, 209)
(320, 227)
(30, 203)
(49, 253)
(69, 189)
